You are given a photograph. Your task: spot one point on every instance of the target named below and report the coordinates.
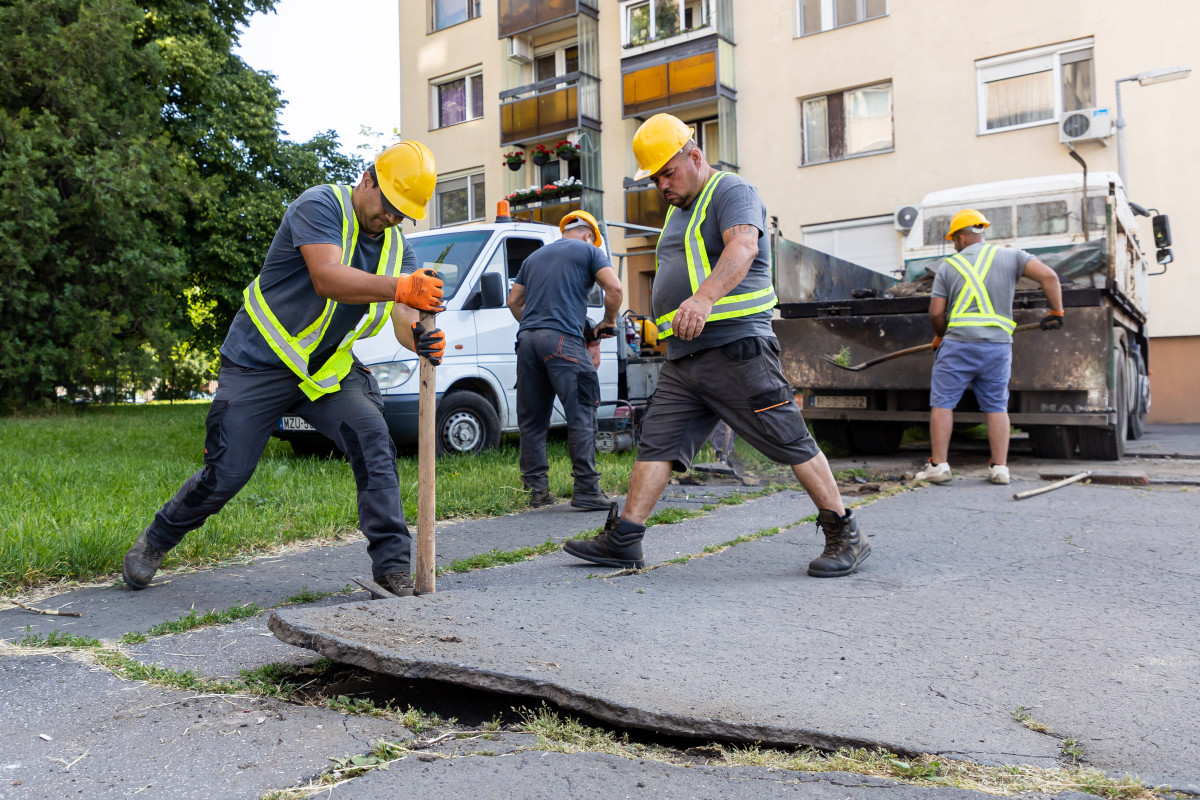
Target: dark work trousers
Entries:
(553, 364)
(246, 408)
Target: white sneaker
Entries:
(935, 473)
(998, 474)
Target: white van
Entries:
(476, 382)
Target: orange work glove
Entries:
(1052, 321)
(937, 342)
(421, 290)
(429, 344)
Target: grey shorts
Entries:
(740, 383)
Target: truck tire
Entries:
(876, 438)
(466, 423)
(1052, 441)
(1108, 444)
(1140, 393)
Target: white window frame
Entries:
(828, 9)
(628, 5)
(472, 6)
(559, 51)
(470, 177)
(435, 106)
(866, 154)
(1026, 62)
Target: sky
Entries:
(337, 64)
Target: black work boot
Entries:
(618, 545)
(541, 497)
(400, 584)
(845, 547)
(595, 500)
(141, 562)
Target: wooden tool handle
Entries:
(426, 469)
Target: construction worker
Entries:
(712, 302)
(336, 258)
(549, 299)
(973, 337)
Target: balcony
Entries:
(551, 210)
(644, 205)
(519, 16)
(693, 72)
(548, 108)
(651, 24)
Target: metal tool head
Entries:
(837, 363)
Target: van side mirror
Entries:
(1162, 231)
(491, 290)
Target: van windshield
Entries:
(451, 254)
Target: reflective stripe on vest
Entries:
(974, 292)
(699, 268)
(295, 351)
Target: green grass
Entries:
(78, 485)
(499, 558)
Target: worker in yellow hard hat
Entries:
(337, 270)
(558, 351)
(713, 302)
(973, 337)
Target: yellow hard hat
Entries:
(966, 218)
(657, 141)
(585, 217)
(407, 177)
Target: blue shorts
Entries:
(984, 366)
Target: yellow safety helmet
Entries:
(407, 177)
(966, 218)
(582, 216)
(657, 141)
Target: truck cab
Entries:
(476, 381)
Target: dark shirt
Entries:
(557, 279)
(314, 217)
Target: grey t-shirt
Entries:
(734, 202)
(1001, 283)
(557, 279)
(315, 217)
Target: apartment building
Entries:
(840, 111)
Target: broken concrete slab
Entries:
(962, 617)
(71, 729)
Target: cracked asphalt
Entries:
(1076, 609)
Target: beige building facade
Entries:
(840, 111)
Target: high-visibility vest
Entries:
(973, 306)
(294, 350)
(751, 300)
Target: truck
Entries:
(476, 381)
(1078, 392)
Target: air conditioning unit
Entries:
(520, 50)
(904, 218)
(1085, 124)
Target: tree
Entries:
(144, 175)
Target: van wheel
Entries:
(466, 423)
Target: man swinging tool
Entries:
(712, 300)
(337, 260)
(976, 349)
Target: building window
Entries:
(661, 19)
(554, 62)
(814, 16)
(458, 200)
(1035, 87)
(458, 99)
(845, 124)
(452, 12)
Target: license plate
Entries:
(294, 424)
(837, 401)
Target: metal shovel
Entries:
(908, 351)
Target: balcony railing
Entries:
(546, 108)
(553, 210)
(518, 16)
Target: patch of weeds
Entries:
(494, 724)
(57, 639)
(485, 752)
(678, 560)
(356, 705)
(193, 620)
(134, 637)
(1070, 749)
(671, 516)
(561, 734)
(497, 558)
(131, 669)
(842, 359)
(305, 596)
(1023, 716)
(586, 534)
(272, 680)
(848, 475)
(418, 721)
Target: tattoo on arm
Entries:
(745, 230)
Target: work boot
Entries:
(934, 473)
(618, 545)
(591, 501)
(541, 497)
(400, 584)
(845, 547)
(998, 473)
(141, 562)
